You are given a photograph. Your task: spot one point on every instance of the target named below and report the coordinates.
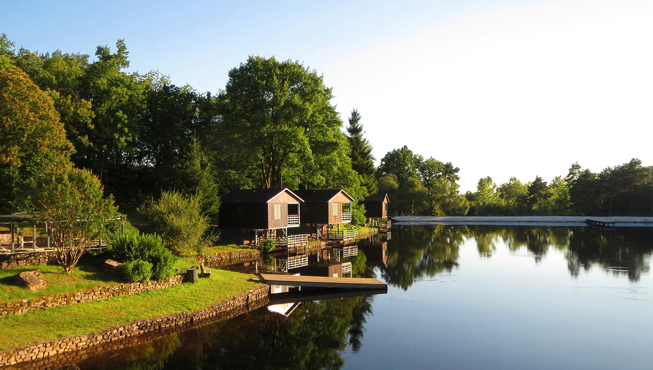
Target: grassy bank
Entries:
(85, 275)
(83, 318)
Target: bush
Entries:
(131, 246)
(268, 245)
(137, 270)
(179, 220)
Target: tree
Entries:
(277, 119)
(179, 220)
(537, 190)
(361, 153)
(437, 189)
(400, 162)
(70, 202)
(514, 193)
(195, 176)
(33, 138)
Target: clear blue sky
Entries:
(499, 88)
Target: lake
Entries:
(459, 297)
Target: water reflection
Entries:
(312, 337)
(416, 252)
(493, 307)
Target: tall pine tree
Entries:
(362, 160)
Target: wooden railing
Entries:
(294, 240)
(293, 262)
(344, 234)
(293, 220)
(347, 268)
(346, 217)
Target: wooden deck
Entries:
(324, 282)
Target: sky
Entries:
(500, 88)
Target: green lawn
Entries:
(85, 275)
(83, 318)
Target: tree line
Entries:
(273, 125)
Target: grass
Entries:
(85, 275)
(92, 317)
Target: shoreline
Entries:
(59, 352)
(521, 220)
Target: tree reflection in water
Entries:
(314, 336)
(425, 251)
(418, 251)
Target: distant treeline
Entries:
(273, 125)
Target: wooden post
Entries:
(13, 229)
(47, 234)
(34, 237)
(191, 275)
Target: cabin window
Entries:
(277, 211)
(335, 209)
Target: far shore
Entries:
(521, 220)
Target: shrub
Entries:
(137, 270)
(164, 264)
(179, 220)
(268, 245)
(131, 246)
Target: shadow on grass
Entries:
(8, 281)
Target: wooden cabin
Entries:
(376, 206)
(260, 213)
(324, 209)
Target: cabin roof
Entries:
(255, 195)
(321, 195)
(377, 197)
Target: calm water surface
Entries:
(459, 297)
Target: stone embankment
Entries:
(67, 351)
(231, 257)
(12, 261)
(87, 295)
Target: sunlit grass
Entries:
(84, 318)
(83, 276)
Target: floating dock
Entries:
(324, 282)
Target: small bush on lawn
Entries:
(131, 246)
(137, 270)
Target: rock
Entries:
(111, 266)
(31, 280)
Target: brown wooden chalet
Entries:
(376, 206)
(260, 213)
(325, 209)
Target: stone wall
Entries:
(231, 257)
(12, 261)
(86, 295)
(68, 351)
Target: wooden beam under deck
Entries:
(324, 282)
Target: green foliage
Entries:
(279, 126)
(137, 270)
(358, 214)
(195, 176)
(132, 246)
(268, 245)
(361, 153)
(179, 220)
(420, 187)
(33, 139)
(71, 203)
